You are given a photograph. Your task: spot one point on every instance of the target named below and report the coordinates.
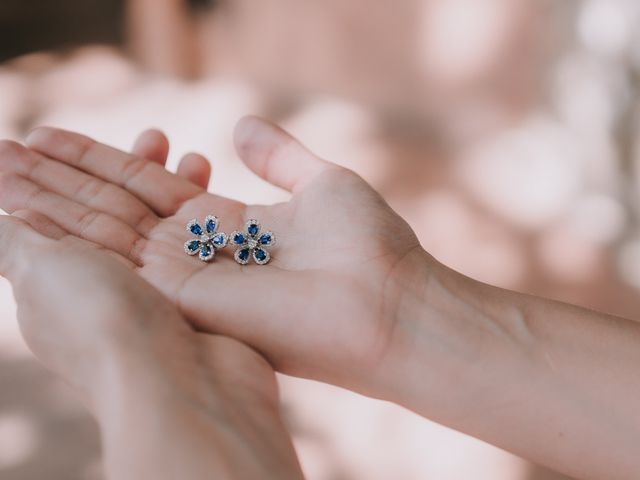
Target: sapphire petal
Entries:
(219, 239)
(253, 229)
(196, 229)
(266, 238)
(238, 239)
(206, 251)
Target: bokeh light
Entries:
(505, 131)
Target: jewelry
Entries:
(207, 241)
(252, 244)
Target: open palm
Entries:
(324, 305)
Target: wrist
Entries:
(454, 341)
(159, 369)
(172, 407)
(132, 356)
(516, 371)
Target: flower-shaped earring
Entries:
(252, 244)
(208, 240)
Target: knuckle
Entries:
(134, 167)
(89, 189)
(85, 222)
(144, 222)
(84, 152)
(135, 250)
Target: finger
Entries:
(83, 188)
(41, 224)
(276, 156)
(161, 190)
(18, 243)
(47, 227)
(18, 193)
(195, 168)
(152, 145)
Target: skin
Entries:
(144, 224)
(143, 372)
(366, 307)
(153, 145)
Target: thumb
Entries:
(274, 155)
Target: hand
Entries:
(351, 299)
(323, 308)
(142, 370)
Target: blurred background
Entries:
(505, 131)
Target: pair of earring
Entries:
(250, 243)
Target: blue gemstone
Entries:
(196, 229)
(244, 254)
(260, 255)
(265, 239)
(193, 245)
(218, 239)
(211, 226)
(238, 239)
(205, 251)
(253, 229)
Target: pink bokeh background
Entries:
(504, 131)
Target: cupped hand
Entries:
(90, 318)
(81, 308)
(325, 305)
